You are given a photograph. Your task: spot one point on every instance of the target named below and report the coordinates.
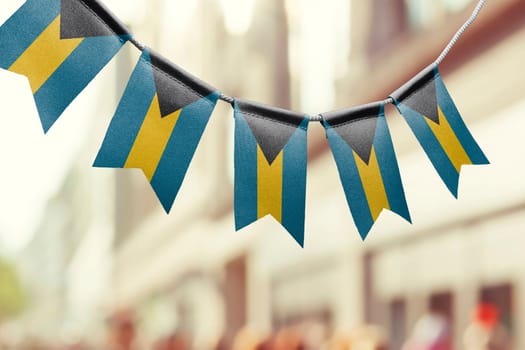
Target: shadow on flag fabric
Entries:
(432, 115)
(158, 124)
(270, 166)
(60, 46)
(367, 164)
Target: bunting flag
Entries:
(367, 164)
(158, 124)
(434, 118)
(60, 46)
(270, 166)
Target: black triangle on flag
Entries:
(272, 127)
(176, 88)
(357, 127)
(88, 18)
(420, 94)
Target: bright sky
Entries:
(34, 165)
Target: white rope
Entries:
(442, 56)
(460, 32)
(316, 118)
(447, 49)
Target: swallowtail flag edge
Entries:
(158, 124)
(60, 46)
(364, 153)
(429, 110)
(270, 166)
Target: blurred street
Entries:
(89, 259)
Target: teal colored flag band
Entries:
(270, 166)
(362, 147)
(432, 115)
(140, 136)
(36, 43)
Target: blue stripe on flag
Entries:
(389, 168)
(245, 188)
(129, 116)
(180, 149)
(74, 75)
(432, 147)
(351, 180)
(294, 183)
(23, 27)
(453, 116)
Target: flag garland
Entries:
(61, 45)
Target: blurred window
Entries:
(455, 5)
(501, 296)
(235, 285)
(389, 21)
(425, 13)
(398, 331)
(443, 304)
(322, 317)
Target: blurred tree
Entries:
(12, 296)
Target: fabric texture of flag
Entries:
(367, 164)
(158, 124)
(270, 166)
(432, 115)
(60, 46)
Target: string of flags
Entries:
(61, 45)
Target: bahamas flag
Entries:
(270, 166)
(433, 117)
(158, 124)
(60, 46)
(367, 164)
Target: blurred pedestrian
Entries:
(121, 331)
(340, 341)
(266, 344)
(485, 331)
(246, 339)
(288, 339)
(221, 344)
(364, 337)
(77, 346)
(431, 332)
(173, 342)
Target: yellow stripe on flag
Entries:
(373, 184)
(152, 139)
(449, 141)
(269, 185)
(42, 58)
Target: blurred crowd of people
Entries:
(432, 331)
(305, 338)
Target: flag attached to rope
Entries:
(432, 115)
(270, 166)
(367, 164)
(158, 124)
(60, 46)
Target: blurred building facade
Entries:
(190, 271)
(264, 279)
(460, 254)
